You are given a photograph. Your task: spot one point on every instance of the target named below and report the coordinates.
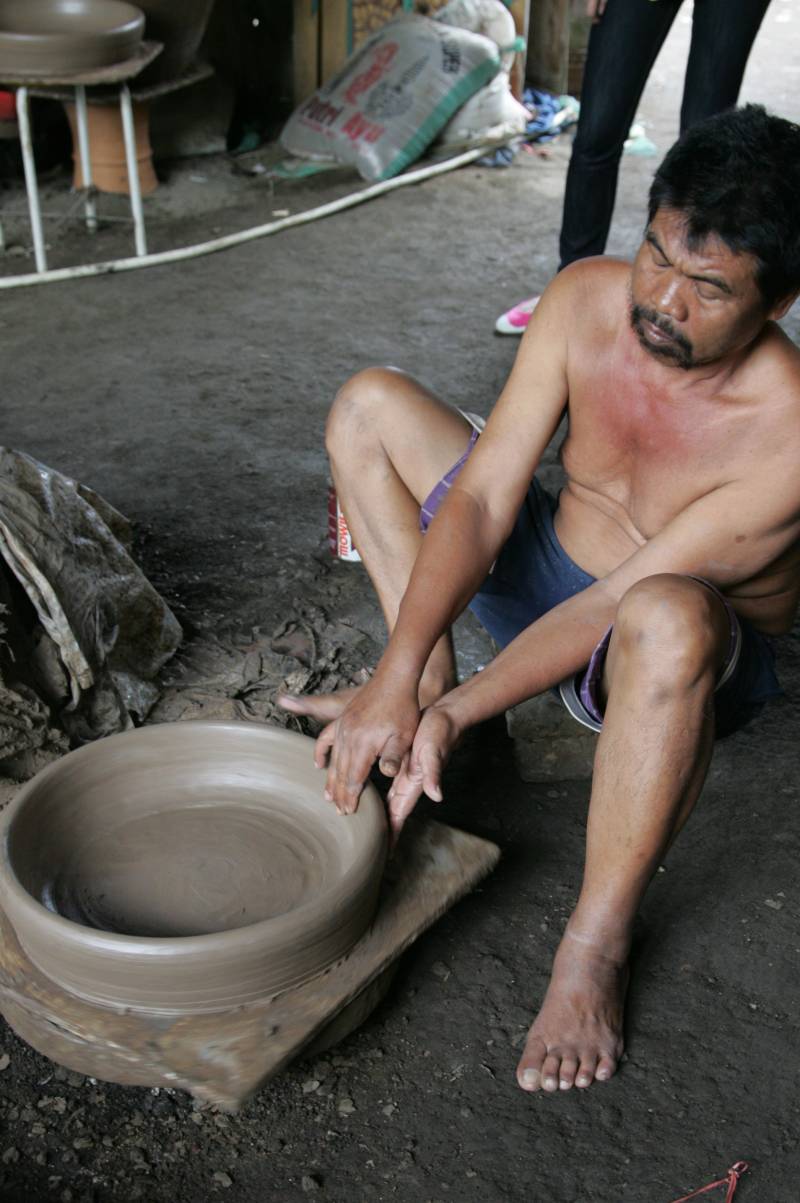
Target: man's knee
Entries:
(360, 408)
(674, 624)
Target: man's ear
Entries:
(782, 307)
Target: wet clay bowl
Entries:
(187, 867)
(40, 38)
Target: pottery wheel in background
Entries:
(225, 1057)
(50, 37)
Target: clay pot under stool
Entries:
(107, 148)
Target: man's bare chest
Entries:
(640, 449)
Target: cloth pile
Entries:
(82, 631)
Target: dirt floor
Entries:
(193, 397)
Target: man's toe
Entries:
(550, 1071)
(586, 1071)
(529, 1070)
(566, 1076)
(605, 1068)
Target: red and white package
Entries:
(339, 538)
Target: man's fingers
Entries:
(403, 797)
(394, 750)
(343, 784)
(422, 773)
(368, 729)
(336, 767)
(323, 745)
(348, 775)
(429, 770)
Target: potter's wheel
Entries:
(187, 868)
(47, 37)
(225, 1056)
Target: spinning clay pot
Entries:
(188, 867)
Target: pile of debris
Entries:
(84, 634)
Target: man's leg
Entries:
(389, 441)
(670, 638)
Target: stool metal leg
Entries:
(126, 109)
(31, 183)
(86, 166)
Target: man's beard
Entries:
(679, 351)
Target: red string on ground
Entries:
(731, 1180)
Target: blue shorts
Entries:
(533, 574)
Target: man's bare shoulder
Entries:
(780, 353)
(592, 293)
(600, 275)
(772, 377)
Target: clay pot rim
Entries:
(131, 21)
(18, 903)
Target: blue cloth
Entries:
(540, 127)
(532, 574)
(502, 157)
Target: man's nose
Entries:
(670, 298)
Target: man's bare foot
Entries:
(576, 1038)
(325, 707)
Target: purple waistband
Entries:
(588, 691)
(441, 488)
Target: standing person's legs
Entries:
(671, 636)
(722, 37)
(622, 49)
(389, 441)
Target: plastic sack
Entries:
(492, 114)
(393, 96)
(488, 17)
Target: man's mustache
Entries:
(640, 313)
(681, 349)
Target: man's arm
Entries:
(725, 537)
(458, 550)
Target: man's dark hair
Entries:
(737, 175)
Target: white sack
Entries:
(393, 96)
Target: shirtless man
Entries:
(669, 558)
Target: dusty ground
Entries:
(194, 397)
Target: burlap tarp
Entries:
(84, 633)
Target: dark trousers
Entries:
(622, 49)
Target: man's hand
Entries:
(421, 773)
(595, 9)
(379, 724)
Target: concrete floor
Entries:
(193, 397)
